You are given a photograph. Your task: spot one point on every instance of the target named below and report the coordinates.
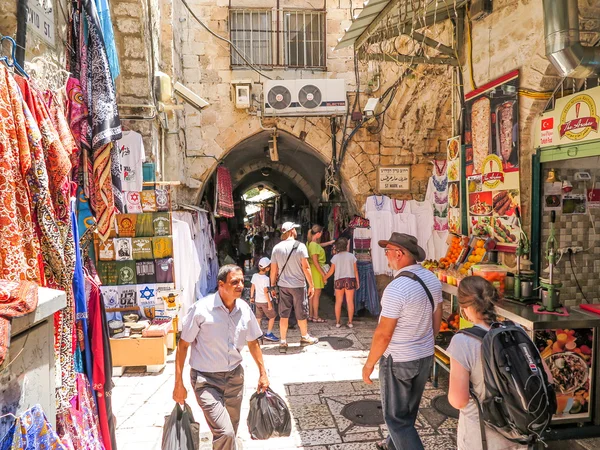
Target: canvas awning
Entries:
(401, 14)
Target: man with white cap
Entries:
(289, 269)
(259, 295)
(403, 342)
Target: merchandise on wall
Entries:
(492, 160)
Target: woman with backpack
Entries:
(476, 298)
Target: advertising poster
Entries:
(454, 177)
(568, 355)
(492, 160)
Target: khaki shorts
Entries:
(262, 310)
(295, 297)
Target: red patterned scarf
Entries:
(224, 193)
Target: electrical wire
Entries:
(470, 50)
(575, 276)
(233, 46)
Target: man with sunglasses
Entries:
(403, 343)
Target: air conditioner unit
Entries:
(304, 97)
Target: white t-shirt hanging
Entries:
(132, 154)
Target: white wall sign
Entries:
(393, 178)
(40, 19)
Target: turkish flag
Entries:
(547, 124)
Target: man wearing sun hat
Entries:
(403, 343)
(289, 270)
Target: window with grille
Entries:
(251, 33)
(304, 38)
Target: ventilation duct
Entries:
(563, 46)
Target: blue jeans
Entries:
(402, 386)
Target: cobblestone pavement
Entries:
(316, 382)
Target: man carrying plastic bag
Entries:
(216, 328)
(180, 431)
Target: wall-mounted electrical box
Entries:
(242, 90)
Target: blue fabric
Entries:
(31, 431)
(109, 37)
(81, 310)
(367, 296)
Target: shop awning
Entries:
(401, 14)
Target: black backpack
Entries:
(519, 401)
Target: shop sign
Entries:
(393, 178)
(40, 19)
(593, 198)
(573, 120)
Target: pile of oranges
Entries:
(452, 254)
(451, 323)
(475, 257)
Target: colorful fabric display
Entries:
(164, 270)
(106, 250)
(142, 248)
(224, 193)
(124, 249)
(163, 198)
(31, 431)
(145, 272)
(133, 202)
(110, 296)
(127, 296)
(162, 246)
(126, 273)
(108, 273)
(162, 223)
(144, 226)
(146, 295)
(149, 201)
(16, 299)
(126, 224)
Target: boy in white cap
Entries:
(259, 295)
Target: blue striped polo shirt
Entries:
(406, 300)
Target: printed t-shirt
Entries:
(344, 265)
(291, 276)
(260, 282)
(126, 271)
(142, 248)
(133, 202)
(106, 250)
(149, 201)
(126, 224)
(131, 152)
(124, 249)
(164, 270)
(163, 202)
(162, 223)
(145, 272)
(162, 247)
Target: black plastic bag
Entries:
(180, 431)
(269, 416)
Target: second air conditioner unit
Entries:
(304, 97)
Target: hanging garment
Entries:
(404, 220)
(144, 226)
(187, 265)
(126, 224)
(132, 156)
(367, 296)
(32, 431)
(162, 223)
(378, 210)
(80, 421)
(133, 202)
(162, 247)
(126, 273)
(108, 37)
(440, 246)
(123, 249)
(16, 299)
(108, 273)
(106, 250)
(149, 201)
(142, 248)
(164, 270)
(163, 198)
(145, 272)
(224, 202)
(424, 215)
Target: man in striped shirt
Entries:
(403, 343)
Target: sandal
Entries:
(310, 319)
(319, 320)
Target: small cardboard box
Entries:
(129, 352)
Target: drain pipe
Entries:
(563, 45)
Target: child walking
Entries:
(259, 295)
(346, 281)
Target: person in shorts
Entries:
(290, 272)
(346, 281)
(259, 295)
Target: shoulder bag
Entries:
(275, 288)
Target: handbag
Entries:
(275, 288)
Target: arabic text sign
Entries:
(40, 19)
(393, 178)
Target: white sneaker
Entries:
(338, 325)
(350, 325)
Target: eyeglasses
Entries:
(387, 250)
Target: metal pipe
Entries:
(563, 44)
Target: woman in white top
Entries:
(476, 297)
(345, 271)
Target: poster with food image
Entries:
(505, 202)
(454, 170)
(481, 226)
(480, 204)
(474, 184)
(454, 221)
(568, 354)
(454, 195)
(492, 124)
(506, 230)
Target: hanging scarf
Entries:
(16, 299)
(19, 245)
(224, 193)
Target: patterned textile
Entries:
(80, 421)
(19, 245)
(367, 296)
(77, 115)
(103, 202)
(359, 222)
(16, 299)
(32, 431)
(224, 193)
